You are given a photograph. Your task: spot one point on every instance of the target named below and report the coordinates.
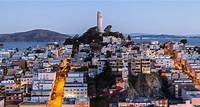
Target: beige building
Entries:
(157, 103)
(140, 65)
(99, 22)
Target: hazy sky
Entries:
(76, 16)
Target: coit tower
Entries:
(99, 22)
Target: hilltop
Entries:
(38, 35)
(93, 36)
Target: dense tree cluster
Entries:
(92, 37)
(106, 79)
(183, 41)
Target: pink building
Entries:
(187, 104)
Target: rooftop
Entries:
(31, 103)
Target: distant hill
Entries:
(163, 35)
(38, 35)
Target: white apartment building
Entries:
(164, 61)
(75, 86)
(112, 39)
(84, 47)
(5, 54)
(154, 45)
(8, 84)
(26, 80)
(42, 85)
(140, 65)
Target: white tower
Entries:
(99, 22)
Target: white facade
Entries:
(46, 76)
(26, 80)
(112, 39)
(5, 54)
(75, 86)
(76, 90)
(75, 77)
(164, 61)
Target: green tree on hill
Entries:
(183, 41)
(129, 37)
(106, 79)
(108, 29)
